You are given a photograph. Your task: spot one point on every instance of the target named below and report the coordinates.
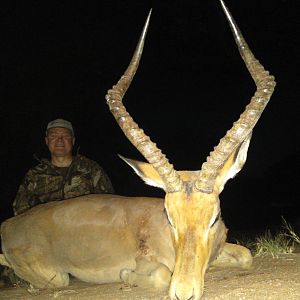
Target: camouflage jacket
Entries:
(46, 182)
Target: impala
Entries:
(165, 243)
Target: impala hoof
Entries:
(128, 276)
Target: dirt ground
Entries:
(269, 278)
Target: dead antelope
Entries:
(143, 241)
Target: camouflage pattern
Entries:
(46, 182)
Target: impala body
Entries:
(145, 241)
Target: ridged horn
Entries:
(265, 84)
(131, 129)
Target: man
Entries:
(64, 176)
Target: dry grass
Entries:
(290, 233)
(284, 242)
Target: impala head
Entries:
(192, 197)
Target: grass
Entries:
(268, 244)
(284, 242)
(290, 233)
(273, 245)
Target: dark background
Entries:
(59, 59)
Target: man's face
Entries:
(60, 141)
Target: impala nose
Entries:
(184, 295)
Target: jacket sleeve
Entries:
(25, 195)
(101, 182)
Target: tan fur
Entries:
(92, 237)
(97, 238)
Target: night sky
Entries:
(58, 60)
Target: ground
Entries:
(269, 278)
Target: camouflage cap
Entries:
(60, 123)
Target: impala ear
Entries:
(233, 165)
(145, 171)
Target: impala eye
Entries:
(216, 219)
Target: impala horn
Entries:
(244, 125)
(136, 135)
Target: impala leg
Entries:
(41, 276)
(234, 255)
(36, 268)
(46, 278)
(147, 273)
